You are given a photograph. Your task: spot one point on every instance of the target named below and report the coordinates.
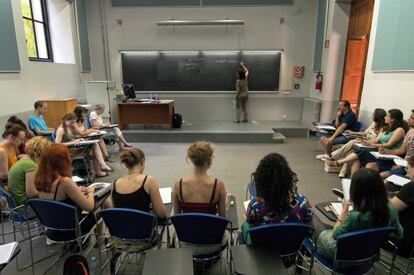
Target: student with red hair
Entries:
(54, 182)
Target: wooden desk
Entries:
(145, 113)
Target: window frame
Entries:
(45, 23)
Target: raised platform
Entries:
(220, 131)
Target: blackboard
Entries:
(199, 70)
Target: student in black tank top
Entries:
(135, 190)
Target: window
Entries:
(36, 28)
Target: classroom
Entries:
(206, 137)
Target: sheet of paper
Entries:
(77, 179)
(326, 127)
(346, 186)
(6, 252)
(337, 208)
(363, 145)
(93, 141)
(384, 156)
(401, 162)
(397, 180)
(245, 205)
(166, 194)
(97, 133)
(98, 185)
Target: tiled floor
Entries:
(233, 164)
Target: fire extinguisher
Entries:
(319, 80)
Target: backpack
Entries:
(177, 120)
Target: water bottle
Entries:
(94, 266)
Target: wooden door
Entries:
(356, 51)
(354, 70)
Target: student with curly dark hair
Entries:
(276, 201)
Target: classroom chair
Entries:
(285, 238)
(22, 219)
(200, 230)
(133, 232)
(356, 252)
(63, 225)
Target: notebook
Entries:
(6, 252)
(397, 180)
(337, 208)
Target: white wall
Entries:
(36, 80)
(263, 30)
(385, 90)
(333, 60)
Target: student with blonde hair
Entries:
(22, 173)
(199, 192)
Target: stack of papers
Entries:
(7, 251)
(166, 194)
(397, 180)
(384, 156)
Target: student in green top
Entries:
(22, 173)
(370, 209)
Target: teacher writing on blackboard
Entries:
(242, 93)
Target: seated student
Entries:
(36, 122)
(97, 122)
(392, 137)
(22, 173)
(79, 128)
(407, 149)
(65, 135)
(375, 129)
(13, 136)
(370, 209)
(53, 181)
(404, 202)
(276, 200)
(199, 192)
(136, 190)
(345, 120)
(29, 134)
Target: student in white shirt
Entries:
(97, 122)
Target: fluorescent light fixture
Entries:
(220, 52)
(262, 52)
(139, 52)
(199, 22)
(180, 52)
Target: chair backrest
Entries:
(286, 238)
(88, 121)
(199, 228)
(54, 214)
(129, 224)
(362, 244)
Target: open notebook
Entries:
(397, 180)
(6, 252)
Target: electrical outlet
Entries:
(297, 86)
